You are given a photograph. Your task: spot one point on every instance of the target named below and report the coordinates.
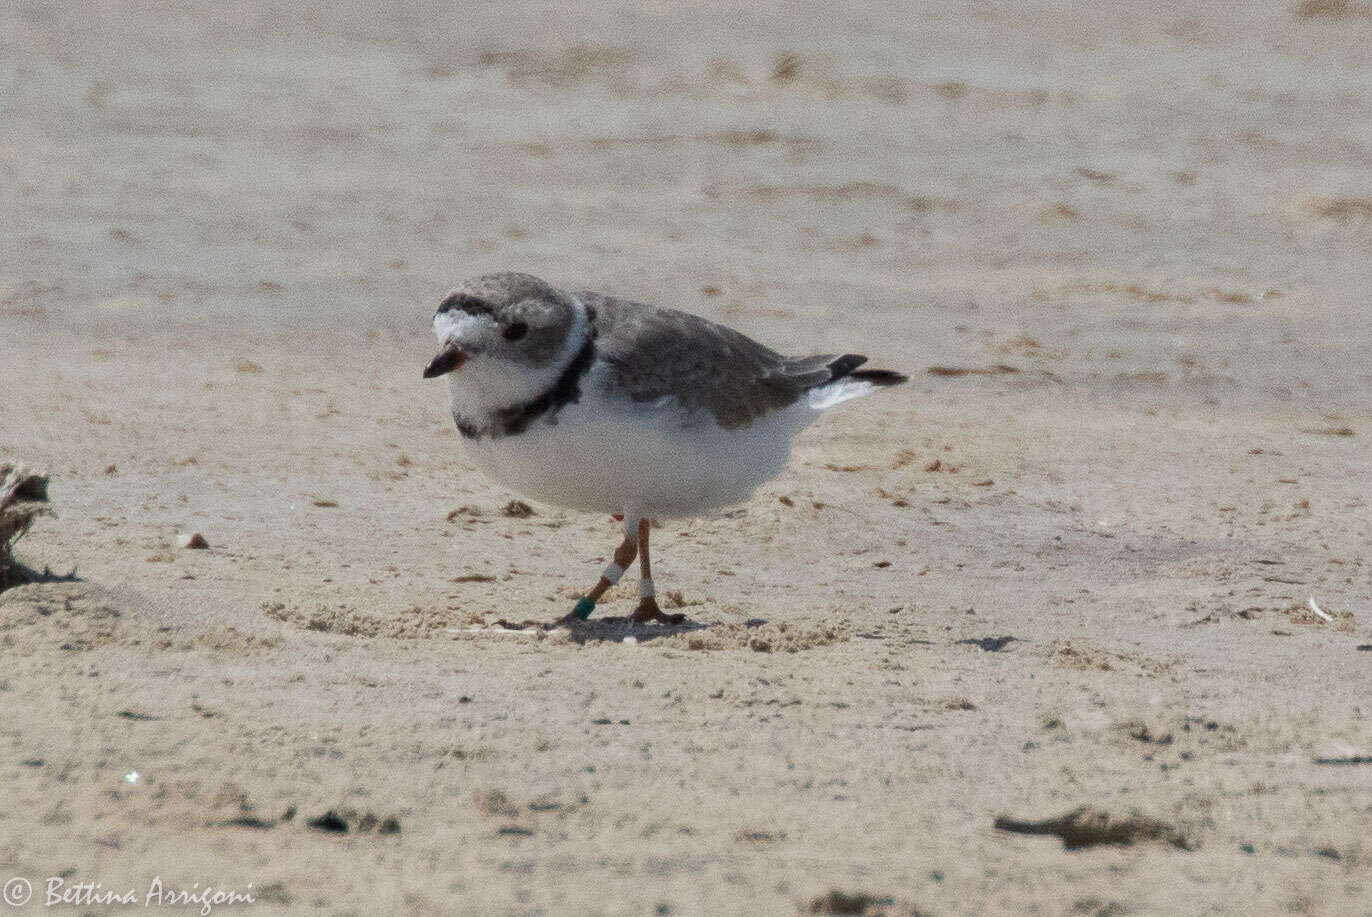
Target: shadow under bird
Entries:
(600, 404)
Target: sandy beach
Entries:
(1122, 253)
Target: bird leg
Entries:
(647, 609)
(624, 555)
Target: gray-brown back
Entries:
(658, 352)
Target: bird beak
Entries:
(448, 359)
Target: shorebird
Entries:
(595, 403)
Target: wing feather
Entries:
(657, 353)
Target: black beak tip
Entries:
(447, 360)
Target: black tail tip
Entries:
(880, 376)
(846, 367)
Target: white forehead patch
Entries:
(456, 325)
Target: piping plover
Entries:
(600, 404)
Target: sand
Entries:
(1123, 254)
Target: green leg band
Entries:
(583, 608)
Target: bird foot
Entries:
(578, 615)
(647, 611)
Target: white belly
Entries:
(638, 458)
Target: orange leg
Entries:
(647, 609)
(624, 555)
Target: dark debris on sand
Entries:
(861, 904)
(1089, 827)
(335, 821)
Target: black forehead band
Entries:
(467, 303)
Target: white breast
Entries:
(607, 454)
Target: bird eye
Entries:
(516, 331)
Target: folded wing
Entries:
(663, 353)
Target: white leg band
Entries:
(612, 573)
(645, 588)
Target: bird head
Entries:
(504, 338)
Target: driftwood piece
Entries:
(23, 498)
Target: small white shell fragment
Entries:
(1316, 609)
(630, 641)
